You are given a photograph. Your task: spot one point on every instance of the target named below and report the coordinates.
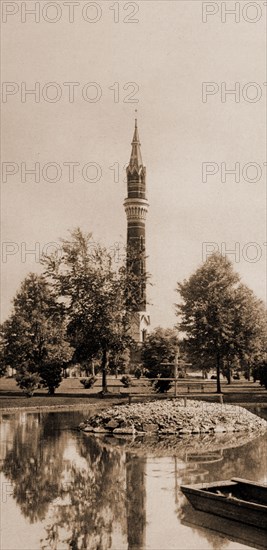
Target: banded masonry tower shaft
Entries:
(136, 208)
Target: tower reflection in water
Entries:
(136, 501)
(82, 492)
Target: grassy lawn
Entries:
(72, 394)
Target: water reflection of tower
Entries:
(136, 501)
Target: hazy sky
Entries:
(168, 53)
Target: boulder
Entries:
(150, 428)
(185, 431)
(128, 430)
(100, 430)
(168, 431)
(195, 430)
(112, 424)
(220, 428)
(82, 425)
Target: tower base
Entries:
(140, 323)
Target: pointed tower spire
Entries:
(136, 207)
(136, 157)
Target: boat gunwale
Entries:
(249, 482)
(201, 490)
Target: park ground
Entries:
(72, 395)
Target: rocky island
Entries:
(171, 417)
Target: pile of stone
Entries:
(171, 417)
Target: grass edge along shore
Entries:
(70, 396)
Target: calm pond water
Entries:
(62, 489)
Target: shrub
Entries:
(28, 382)
(51, 376)
(256, 373)
(181, 374)
(262, 374)
(138, 372)
(126, 381)
(3, 368)
(88, 382)
(160, 371)
(158, 354)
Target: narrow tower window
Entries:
(144, 335)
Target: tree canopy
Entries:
(221, 317)
(33, 339)
(98, 298)
(161, 346)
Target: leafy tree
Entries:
(161, 346)
(98, 298)
(3, 364)
(33, 338)
(250, 329)
(51, 375)
(249, 333)
(28, 381)
(119, 362)
(205, 364)
(229, 366)
(259, 372)
(219, 315)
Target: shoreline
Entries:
(70, 396)
(100, 403)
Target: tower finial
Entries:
(136, 157)
(135, 117)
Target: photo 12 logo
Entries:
(66, 172)
(250, 172)
(250, 252)
(233, 12)
(236, 92)
(36, 251)
(31, 12)
(53, 92)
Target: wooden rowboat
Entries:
(237, 499)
